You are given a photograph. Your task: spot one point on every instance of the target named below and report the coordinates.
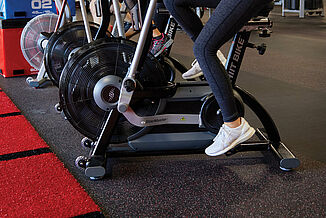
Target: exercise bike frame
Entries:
(95, 166)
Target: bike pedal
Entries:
(234, 150)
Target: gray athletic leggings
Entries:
(228, 18)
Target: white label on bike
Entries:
(41, 4)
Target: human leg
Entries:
(227, 18)
(182, 11)
(195, 70)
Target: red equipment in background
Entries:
(12, 61)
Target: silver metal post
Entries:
(85, 19)
(118, 19)
(125, 96)
(67, 12)
(142, 39)
(198, 11)
(62, 17)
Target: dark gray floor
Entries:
(289, 81)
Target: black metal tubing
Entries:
(105, 10)
(104, 140)
(179, 66)
(249, 146)
(237, 51)
(157, 92)
(287, 159)
(171, 31)
(128, 152)
(262, 114)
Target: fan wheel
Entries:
(33, 42)
(62, 45)
(90, 87)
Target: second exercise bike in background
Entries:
(69, 38)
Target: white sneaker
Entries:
(195, 71)
(227, 138)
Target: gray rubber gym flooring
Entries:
(289, 80)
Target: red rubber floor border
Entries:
(34, 183)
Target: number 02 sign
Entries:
(41, 4)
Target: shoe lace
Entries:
(223, 134)
(156, 43)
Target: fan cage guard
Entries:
(30, 38)
(68, 38)
(91, 63)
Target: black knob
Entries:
(129, 85)
(261, 49)
(264, 33)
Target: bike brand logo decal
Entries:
(171, 28)
(156, 120)
(235, 58)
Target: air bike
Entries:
(123, 100)
(49, 40)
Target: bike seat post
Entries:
(118, 17)
(236, 54)
(86, 23)
(129, 83)
(61, 5)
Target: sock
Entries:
(236, 128)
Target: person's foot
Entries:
(194, 72)
(159, 44)
(131, 32)
(127, 25)
(228, 138)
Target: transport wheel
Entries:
(58, 108)
(87, 143)
(80, 162)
